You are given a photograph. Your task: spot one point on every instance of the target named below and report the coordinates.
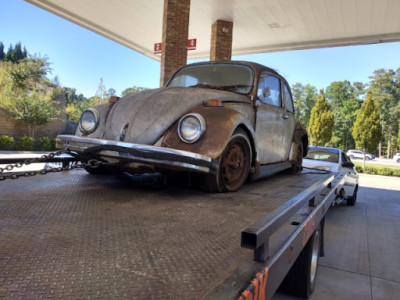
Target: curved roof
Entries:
(258, 25)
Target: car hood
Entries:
(143, 117)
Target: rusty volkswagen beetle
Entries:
(224, 122)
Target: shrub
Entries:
(45, 144)
(25, 143)
(7, 142)
(378, 170)
(53, 143)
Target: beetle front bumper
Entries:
(165, 158)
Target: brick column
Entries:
(174, 37)
(221, 41)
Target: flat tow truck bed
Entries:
(73, 235)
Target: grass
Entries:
(376, 169)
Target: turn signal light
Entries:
(113, 99)
(214, 102)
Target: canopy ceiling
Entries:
(258, 25)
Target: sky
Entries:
(80, 58)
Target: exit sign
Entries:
(157, 48)
(191, 45)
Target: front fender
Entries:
(221, 122)
(103, 110)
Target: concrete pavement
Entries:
(362, 245)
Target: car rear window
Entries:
(329, 155)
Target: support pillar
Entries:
(221, 41)
(174, 37)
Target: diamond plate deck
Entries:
(72, 235)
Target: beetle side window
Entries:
(269, 90)
(288, 100)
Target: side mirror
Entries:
(348, 164)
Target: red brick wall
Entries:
(9, 126)
(221, 41)
(175, 36)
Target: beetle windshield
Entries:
(229, 77)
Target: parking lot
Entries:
(62, 241)
(380, 161)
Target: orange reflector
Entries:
(214, 102)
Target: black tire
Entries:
(301, 279)
(233, 165)
(100, 170)
(351, 201)
(367, 158)
(297, 165)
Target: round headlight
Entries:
(88, 121)
(191, 128)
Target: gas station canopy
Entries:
(258, 25)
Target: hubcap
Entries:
(314, 257)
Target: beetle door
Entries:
(275, 120)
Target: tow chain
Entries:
(72, 164)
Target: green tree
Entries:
(111, 92)
(321, 123)
(304, 98)
(34, 109)
(6, 84)
(76, 105)
(2, 54)
(16, 54)
(19, 74)
(20, 97)
(38, 67)
(132, 90)
(359, 89)
(385, 89)
(72, 97)
(398, 137)
(27, 71)
(75, 109)
(345, 102)
(367, 128)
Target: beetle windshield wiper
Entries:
(204, 85)
(220, 87)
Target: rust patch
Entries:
(308, 230)
(257, 288)
(220, 123)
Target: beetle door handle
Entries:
(285, 116)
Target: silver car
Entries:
(334, 160)
(359, 154)
(396, 157)
(224, 122)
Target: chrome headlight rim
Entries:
(95, 123)
(201, 128)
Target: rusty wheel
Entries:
(234, 163)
